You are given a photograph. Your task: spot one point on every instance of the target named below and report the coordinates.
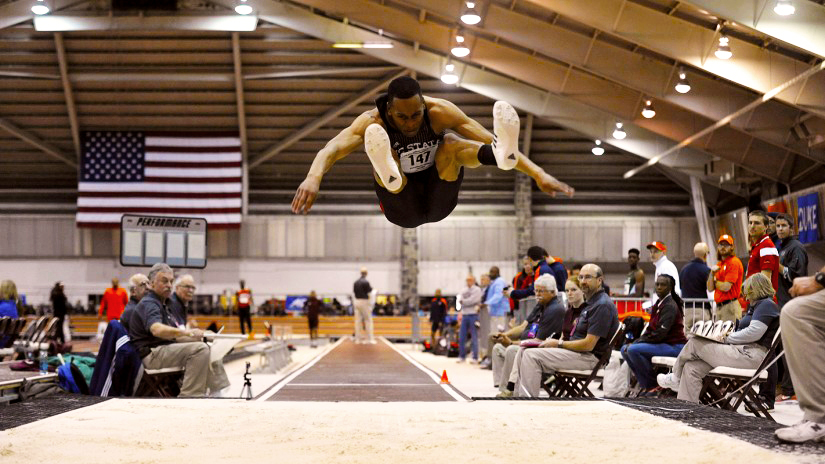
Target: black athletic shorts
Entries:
(425, 198)
(436, 326)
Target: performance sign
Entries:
(808, 215)
(176, 241)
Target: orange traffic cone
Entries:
(444, 378)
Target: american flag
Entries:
(159, 173)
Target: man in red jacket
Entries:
(113, 301)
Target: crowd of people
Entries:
(575, 318)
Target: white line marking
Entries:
(298, 372)
(447, 387)
(360, 385)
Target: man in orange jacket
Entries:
(113, 301)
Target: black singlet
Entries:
(426, 197)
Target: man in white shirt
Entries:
(658, 255)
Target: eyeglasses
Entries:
(587, 277)
(541, 290)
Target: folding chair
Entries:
(722, 381)
(574, 383)
(164, 383)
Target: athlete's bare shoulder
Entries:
(443, 113)
(365, 119)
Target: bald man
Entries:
(694, 278)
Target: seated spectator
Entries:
(138, 286)
(545, 321)
(575, 305)
(665, 336)
(9, 300)
(743, 349)
(161, 345)
(803, 336)
(598, 322)
(181, 299)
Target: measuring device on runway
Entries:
(176, 241)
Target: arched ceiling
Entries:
(577, 67)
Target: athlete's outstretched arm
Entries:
(339, 147)
(547, 183)
(471, 129)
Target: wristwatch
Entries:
(820, 278)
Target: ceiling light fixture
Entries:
(723, 50)
(242, 8)
(598, 150)
(682, 85)
(362, 45)
(619, 133)
(40, 8)
(460, 48)
(784, 8)
(470, 15)
(648, 111)
(449, 76)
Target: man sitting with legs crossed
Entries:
(597, 323)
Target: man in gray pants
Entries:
(597, 323)
(803, 336)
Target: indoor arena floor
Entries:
(369, 403)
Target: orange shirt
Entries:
(730, 270)
(113, 302)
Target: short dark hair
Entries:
(762, 215)
(635, 251)
(536, 253)
(403, 87)
(787, 218)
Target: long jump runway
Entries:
(362, 372)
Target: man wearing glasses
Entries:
(183, 295)
(597, 323)
(138, 285)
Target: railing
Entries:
(696, 309)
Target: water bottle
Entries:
(44, 365)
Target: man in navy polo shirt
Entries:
(597, 323)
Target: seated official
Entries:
(803, 336)
(181, 299)
(596, 325)
(575, 305)
(665, 336)
(743, 349)
(161, 345)
(138, 286)
(544, 321)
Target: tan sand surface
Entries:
(207, 431)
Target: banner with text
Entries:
(808, 217)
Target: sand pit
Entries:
(161, 431)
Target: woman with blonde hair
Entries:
(9, 300)
(743, 349)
